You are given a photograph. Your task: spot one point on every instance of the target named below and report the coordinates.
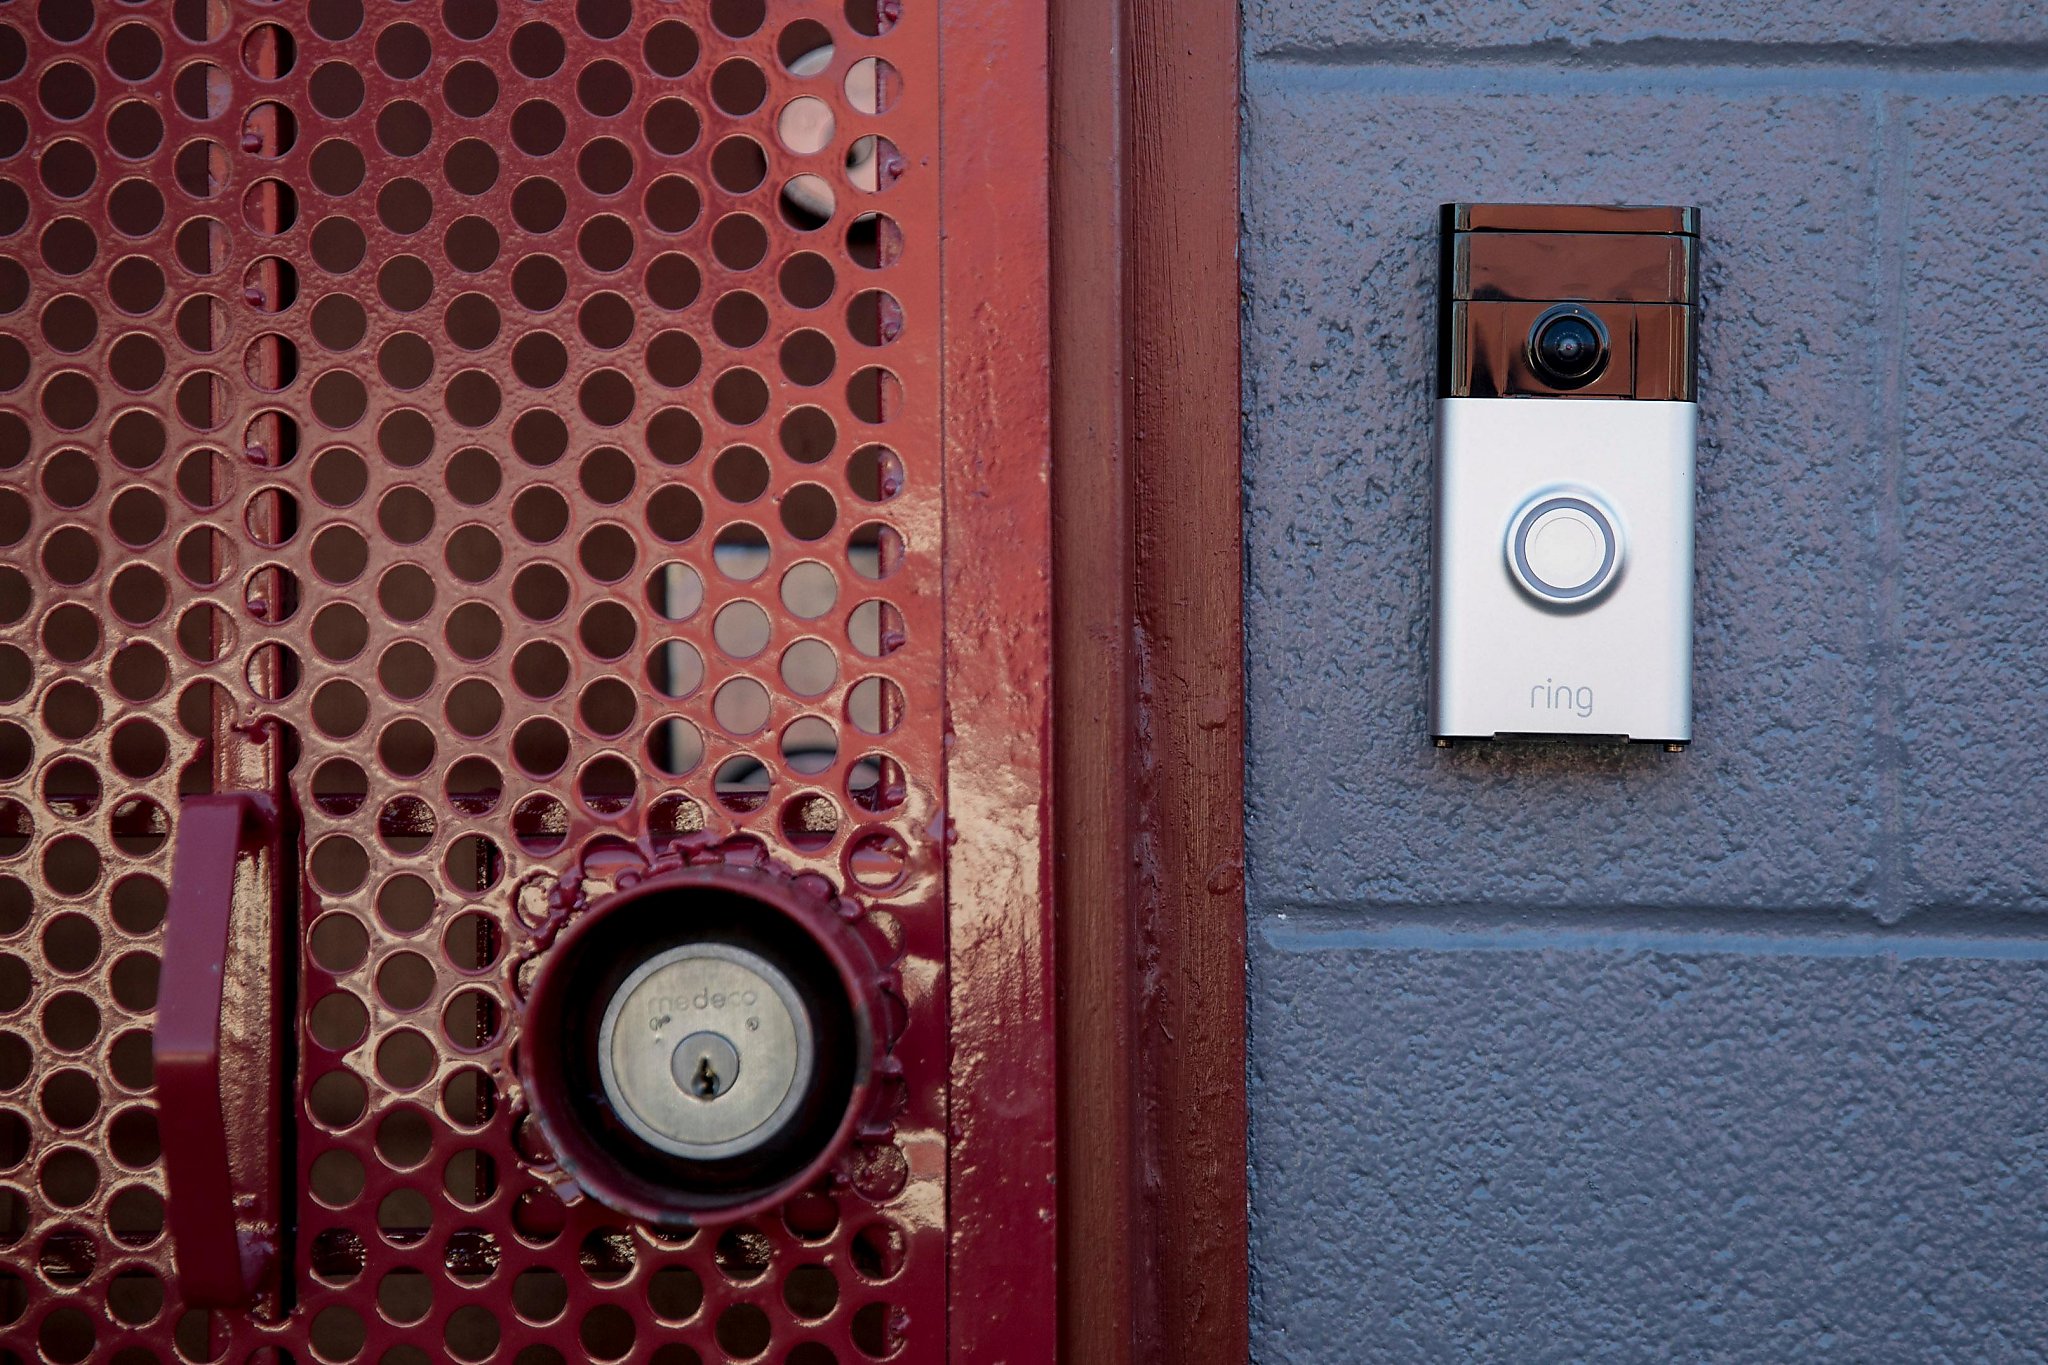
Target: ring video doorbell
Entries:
(1564, 473)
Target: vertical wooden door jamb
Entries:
(1149, 682)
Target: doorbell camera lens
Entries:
(1568, 347)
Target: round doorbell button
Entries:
(1564, 548)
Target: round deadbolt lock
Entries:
(702, 1044)
(705, 1050)
(1564, 548)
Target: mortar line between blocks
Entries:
(1985, 70)
(1632, 930)
(1893, 183)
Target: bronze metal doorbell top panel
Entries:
(1583, 301)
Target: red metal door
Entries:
(465, 463)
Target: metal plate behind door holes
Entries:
(536, 409)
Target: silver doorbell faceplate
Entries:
(1564, 570)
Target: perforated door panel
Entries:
(509, 436)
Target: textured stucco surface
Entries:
(1972, 581)
(1777, 803)
(1567, 1054)
(1635, 1154)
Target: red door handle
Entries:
(219, 1165)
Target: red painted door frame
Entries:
(1149, 683)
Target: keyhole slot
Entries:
(705, 1066)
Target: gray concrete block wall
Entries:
(1740, 1054)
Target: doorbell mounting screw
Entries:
(1566, 423)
